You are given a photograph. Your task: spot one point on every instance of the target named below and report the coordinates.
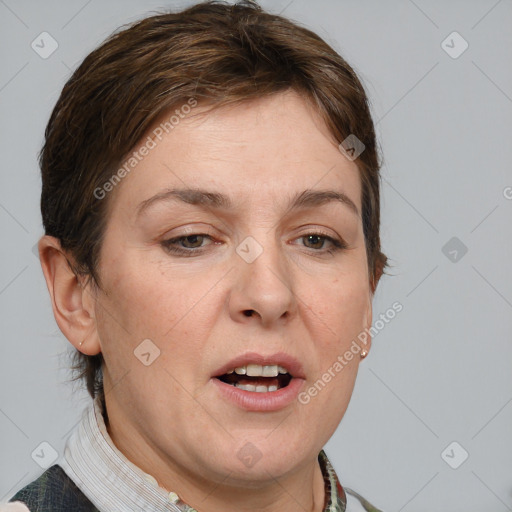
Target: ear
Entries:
(73, 303)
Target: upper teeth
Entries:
(256, 370)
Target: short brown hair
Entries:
(217, 53)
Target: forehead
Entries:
(266, 149)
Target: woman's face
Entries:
(189, 287)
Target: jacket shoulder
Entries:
(54, 491)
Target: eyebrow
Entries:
(208, 199)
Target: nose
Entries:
(263, 288)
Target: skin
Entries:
(168, 418)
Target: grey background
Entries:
(441, 370)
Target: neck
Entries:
(304, 489)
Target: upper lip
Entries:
(287, 361)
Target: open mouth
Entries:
(258, 384)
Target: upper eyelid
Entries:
(312, 231)
(191, 231)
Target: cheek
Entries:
(145, 303)
(339, 307)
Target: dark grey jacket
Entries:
(54, 491)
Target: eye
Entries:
(187, 245)
(194, 244)
(317, 241)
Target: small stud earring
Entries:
(364, 353)
(80, 344)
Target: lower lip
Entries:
(260, 402)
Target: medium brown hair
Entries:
(217, 53)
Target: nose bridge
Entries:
(264, 279)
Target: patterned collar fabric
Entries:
(336, 499)
(112, 482)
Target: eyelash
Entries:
(168, 245)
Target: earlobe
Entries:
(73, 304)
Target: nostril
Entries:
(248, 312)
